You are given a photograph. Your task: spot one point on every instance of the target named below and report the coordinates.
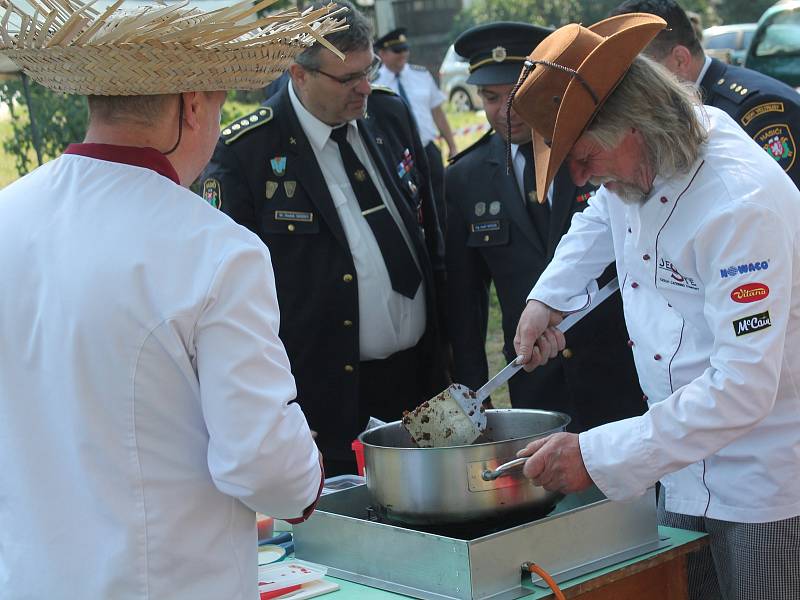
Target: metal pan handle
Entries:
(504, 469)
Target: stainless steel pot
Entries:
(456, 484)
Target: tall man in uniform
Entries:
(497, 231)
(767, 109)
(145, 398)
(335, 181)
(418, 88)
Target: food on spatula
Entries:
(442, 420)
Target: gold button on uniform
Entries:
(347, 278)
(566, 353)
(486, 238)
(348, 368)
(348, 323)
(290, 227)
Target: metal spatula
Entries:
(456, 416)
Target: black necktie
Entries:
(400, 89)
(539, 213)
(402, 269)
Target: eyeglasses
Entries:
(352, 80)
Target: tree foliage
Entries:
(554, 13)
(60, 120)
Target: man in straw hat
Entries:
(703, 226)
(145, 398)
(336, 184)
(498, 232)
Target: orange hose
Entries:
(534, 568)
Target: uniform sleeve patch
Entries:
(761, 109)
(212, 192)
(777, 140)
(752, 323)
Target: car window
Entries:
(748, 37)
(722, 40)
(780, 36)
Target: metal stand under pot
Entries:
(474, 561)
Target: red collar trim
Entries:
(149, 158)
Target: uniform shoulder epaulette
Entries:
(733, 90)
(233, 131)
(417, 68)
(479, 142)
(382, 89)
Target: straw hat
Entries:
(67, 46)
(569, 76)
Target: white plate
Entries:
(269, 554)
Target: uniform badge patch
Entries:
(494, 207)
(289, 187)
(752, 323)
(533, 197)
(292, 141)
(778, 141)
(272, 187)
(761, 109)
(278, 166)
(379, 141)
(405, 165)
(581, 198)
(212, 192)
(480, 209)
(360, 175)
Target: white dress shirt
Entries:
(144, 393)
(388, 321)
(711, 293)
(422, 92)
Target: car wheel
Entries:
(460, 100)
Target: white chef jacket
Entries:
(144, 393)
(423, 95)
(711, 292)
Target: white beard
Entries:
(629, 194)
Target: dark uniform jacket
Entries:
(490, 237)
(264, 174)
(767, 109)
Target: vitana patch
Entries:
(752, 323)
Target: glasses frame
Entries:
(352, 80)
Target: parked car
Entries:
(729, 43)
(775, 49)
(453, 82)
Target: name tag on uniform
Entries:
(294, 215)
(485, 226)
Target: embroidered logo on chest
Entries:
(669, 275)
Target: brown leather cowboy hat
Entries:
(569, 76)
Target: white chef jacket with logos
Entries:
(711, 291)
(144, 394)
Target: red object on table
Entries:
(358, 448)
(280, 592)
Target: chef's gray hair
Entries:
(651, 100)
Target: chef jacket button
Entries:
(657, 357)
(290, 227)
(347, 278)
(347, 323)
(664, 200)
(567, 353)
(629, 229)
(349, 368)
(646, 257)
(644, 398)
(630, 344)
(634, 285)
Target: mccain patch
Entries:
(752, 323)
